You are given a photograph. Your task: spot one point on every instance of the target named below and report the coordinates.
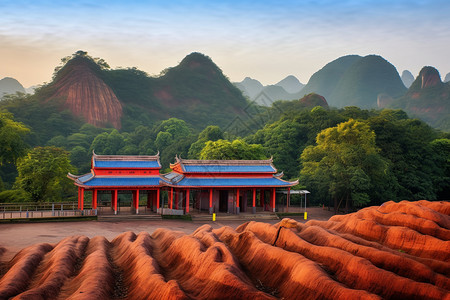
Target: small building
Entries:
(229, 186)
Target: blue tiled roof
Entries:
(233, 182)
(85, 177)
(123, 181)
(228, 168)
(127, 164)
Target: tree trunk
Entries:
(346, 204)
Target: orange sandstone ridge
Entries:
(393, 251)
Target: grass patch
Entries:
(177, 217)
(50, 219)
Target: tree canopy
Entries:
(237, 149)
(344, 162)
(43, 174)
(12, 135)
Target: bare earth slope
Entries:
(394, 251)
(86, 95)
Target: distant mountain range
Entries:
(286, 89)
(197, 91)
(10, 85)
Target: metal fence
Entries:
(43, 210)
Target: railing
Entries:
(43, 210)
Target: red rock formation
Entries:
(86, 95)
(313, 99)
(394, 251)
(429, 77)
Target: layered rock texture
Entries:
(394, 251)
(86, 95)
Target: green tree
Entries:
(12, 144)
(163, 139)
(344, 163)
(238, 149)
(43, 174)
(406, 143)
(441, 150)
(81, 158)
(176, 127)
(105, 143)
(210, 133)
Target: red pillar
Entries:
(157, 198)
(94, 199)
(79, 195)
(115, 201)
(187, 200)
(136, 201)
(210, 201)
(238, 208)
(176, 198)
(261, 200)
(273, 199)
(82, 199)
(254, 201)
(171, 198)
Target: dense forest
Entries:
(348, 157)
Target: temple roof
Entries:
(233, 182)
(123, 181)
(224, 166)
(90, 180)
(126, 161)
(187, 173)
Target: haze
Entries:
(265, 40)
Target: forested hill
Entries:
(196, 91)
(356, 81)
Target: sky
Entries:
(264, 40)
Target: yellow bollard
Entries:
(306, 215)
(214, 217)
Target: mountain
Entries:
(272, 93)
(364, 80)
(407, 78)
(196, 91)
(250, 87)
(78, 87)
(428, 98)
(356, 81)
(447, 78)
(286, 89)
(324, 81)
(30, 90)
(10, 85)
(291, 84)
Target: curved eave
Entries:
(71, 176)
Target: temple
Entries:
(229, 186)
